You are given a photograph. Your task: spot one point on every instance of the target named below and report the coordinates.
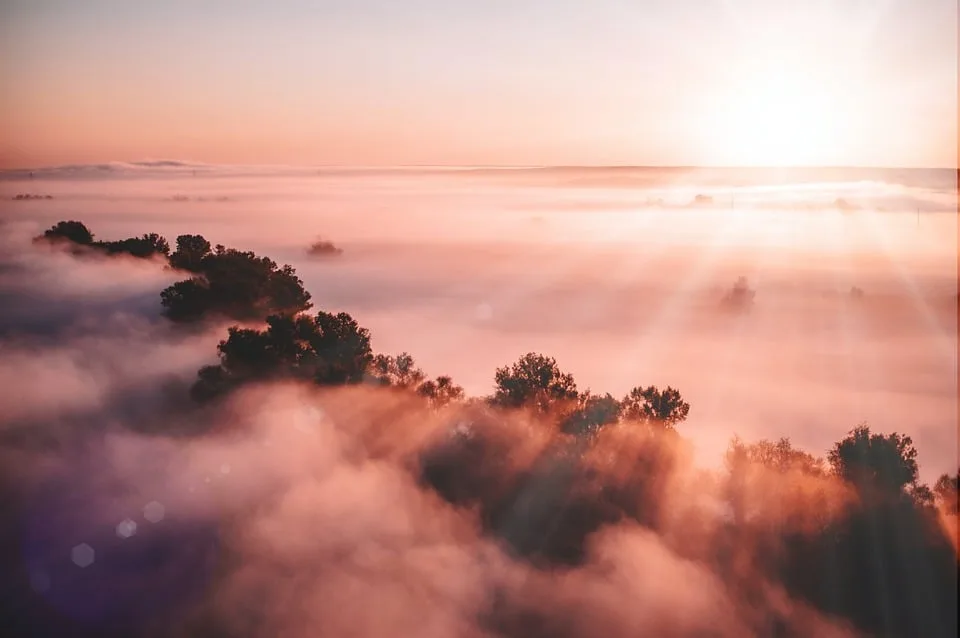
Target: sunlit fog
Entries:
(795, 304)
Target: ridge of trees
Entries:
(230, 283)
(78, 237)
(223, 282)
(613, 459)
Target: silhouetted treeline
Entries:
(79, 237)
(223, 282)
(855, 535)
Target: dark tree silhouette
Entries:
(945, 492)
(328, 349)
(234, 284)
(881, 562)
(592, 413)
(142, 247)
(69, 231)
(885, 464)
(779, 456)
(187, 300)
(400, 371)
(324, 248)
(75, 232)
(887, 565)
(740, 297)
(190, 253)
(649, 405)
(441, 391)
(534, 381)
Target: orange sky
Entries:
(525, 82)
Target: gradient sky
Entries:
(656, 82)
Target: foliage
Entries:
(399, 371)
(75, 232)
(779, 456)
(402, 372)
(945, 492)
(875, 463)
(143, 247)
(328, 349)
(592, 413)
(534, 381)
(69, 231)
(441, 391)
(230, 283)
(190, 253)
(655, 407)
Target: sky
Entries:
(451, 82)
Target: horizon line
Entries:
(171, 163)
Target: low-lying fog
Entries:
(620, 284)
(117, 522)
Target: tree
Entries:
(190, 253)
(875, 462)
(231, 283)
(740, 297)
(186, 300)
(328, 349)
(592, 413)
(779, 456)
(324, 248)
(651, 406)
(339, 350)
(399, 371)
(402, 372)
(70, 231)
(945, 492)
(143, 247)
(440, 392)
(533, 381)
(75, 232)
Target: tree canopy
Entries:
(230, 283)
(881, 463)
(534, 381)
(144, 247)
(68, 231)
(779, 456)
(190, 253)
(649, 405)
(945, 491)
(327, 349)
(77, 234)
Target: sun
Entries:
(776, 116)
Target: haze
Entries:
(742, 82)
(469, 270)
(479, 320)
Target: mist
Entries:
(443, 265)
(295, 511)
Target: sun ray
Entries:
(670, 311)
(876, 227)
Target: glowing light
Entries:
(777, 116)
